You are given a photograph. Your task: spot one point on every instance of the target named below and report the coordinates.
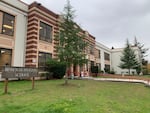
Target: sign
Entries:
(19, 72)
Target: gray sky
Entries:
(110, 21)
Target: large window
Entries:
(7, 23)
(106, 56)
(97, 53)
(92, 63)
(43, 57)
(45, 32)
(107, 68)
(5, 57)
(91, 47)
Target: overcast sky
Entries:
(110, 21)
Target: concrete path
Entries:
(146, 82)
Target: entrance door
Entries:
(5, 57)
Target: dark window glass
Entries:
(107, 68)
(106, 56)
(91, 49)
(5, 57)
(8, 24)
(45, 32)
(43, 57)
(99, 54)
(92, 63)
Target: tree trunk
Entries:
(66, 80)
(129, 71)
(67, 74)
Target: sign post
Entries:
(18, 72)
(6, 85)
(33, 82)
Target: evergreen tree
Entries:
(142, 54)
(128, 60)
(143, 50)
(71, 42)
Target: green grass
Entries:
(81, 96)
(146, 76)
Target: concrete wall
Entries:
(116, 55)
(103, 49)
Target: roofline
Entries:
(15, 6)
(43, 8)
(23, 2)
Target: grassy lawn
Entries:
(147, 76)
(81, 96)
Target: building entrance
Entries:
(5, 57)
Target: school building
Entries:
(27, 38)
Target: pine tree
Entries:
(142, 54)
(143, 50)
(71, 42)
(128, 60)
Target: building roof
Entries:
(17, 4)
(41, 7)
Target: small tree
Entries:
(71, 43)
(128, 60)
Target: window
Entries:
(106, 56)
(92, 63)
(5, 57)
(7, 23)
(91, 49)
(99, 54)
(43, 57)
(107, 68)
(45, 32)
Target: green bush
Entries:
(56, 68)
(102, 71)
(112, 72)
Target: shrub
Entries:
(102, 71)
(56, 68)
(112, 72)
(47, 75)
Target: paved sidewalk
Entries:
(146, 82)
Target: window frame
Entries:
(107, 56)
(1, 18)
(3, 22)
(43, 66)
(91, 49)
(44, 37)
(107, 67)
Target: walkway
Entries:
(146, 82)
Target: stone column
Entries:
(77, 70)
